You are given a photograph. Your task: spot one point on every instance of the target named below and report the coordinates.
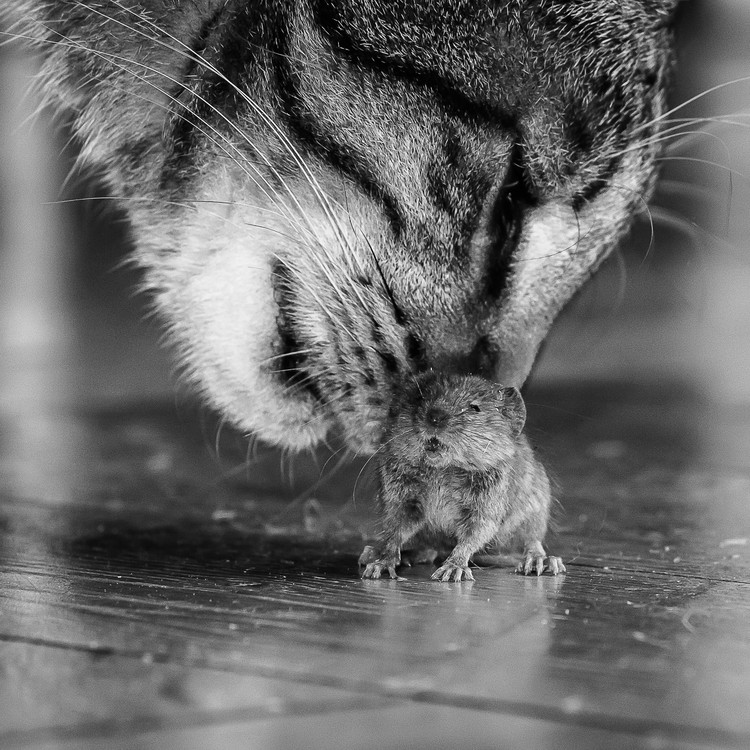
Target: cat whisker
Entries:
(710, 120)
(367, 463)
(705, 124)
(678, 140)
(675, 221)
(286, 464)
(251, 454)
(119, 61)
(278, 132)
(713, 89)
(697, 234)
(241, 161)
(295, 353)
(301, 277)
(344, 458)
(217, 441)
(569, 249)
(645, 210)
(702, 194)
(193, 205)
(682, 138)
(705, 162)
(230, 149)
(164, 201)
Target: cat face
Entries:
(332, 196)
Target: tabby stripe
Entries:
(198, 45)
(179, 127)
(289, 365)
(454, 101)
(596, 186)
(453, 188)
(321, 144)
(513, 199)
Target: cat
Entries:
(331, 196)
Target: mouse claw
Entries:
(530, 564)
(449, 572)
(539, 565)
(555, 565)
(374, 570)
(535, 563)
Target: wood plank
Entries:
(414, 726)
(61, 695)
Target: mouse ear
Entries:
(514, 409)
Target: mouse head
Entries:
(452, 420)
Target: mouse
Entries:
(456, 467)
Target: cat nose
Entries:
(437, 417)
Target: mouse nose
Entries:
(433, 445)
(437, 417)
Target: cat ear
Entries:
(514, 409)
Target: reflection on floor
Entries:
(161, 585)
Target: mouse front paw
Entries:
(449, 571)
(374, 568)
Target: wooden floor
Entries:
(161, 587)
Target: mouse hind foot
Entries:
(536, 560)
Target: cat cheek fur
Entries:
(217, 297)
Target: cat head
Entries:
(332, 196)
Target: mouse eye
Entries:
(474, 406)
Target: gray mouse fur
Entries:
(455, 465)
